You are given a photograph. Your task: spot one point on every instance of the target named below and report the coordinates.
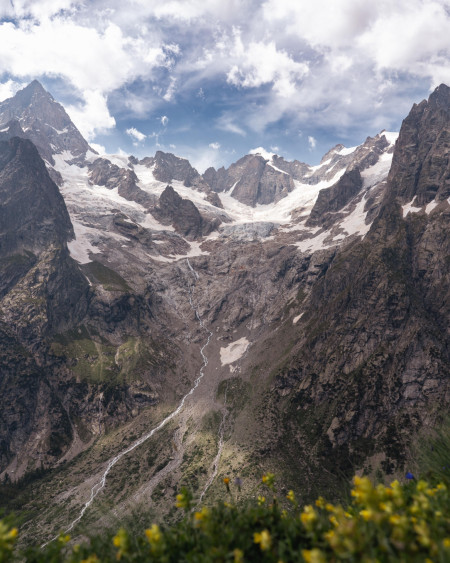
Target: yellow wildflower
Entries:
(263, 539)
(153, 534)
(363, 490)
(329, 507)
(202, 516)
(122, 542)
(261, 500)
(367, 514)
(238, 555)
(308, 517)
(320, 502)
(446, 543)
(441, 487)
(291, 496)
(269, 479)
(313, 555)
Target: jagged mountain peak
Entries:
(44, 121)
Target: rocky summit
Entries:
(160, 327)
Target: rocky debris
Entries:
(421, 166)
(159, 243)
(331, 200)
(247, 231)
(104, 173)
(182, 213)
(45, 122)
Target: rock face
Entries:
(43, 121)
(421, 167)
(371, 362)
(331, 200)
(104, 173)
(251, 180)
(182, 214)
(33, 214)
(168, 167)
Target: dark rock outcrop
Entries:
(251, 180)
(168, 167)
(186, 219)
(421, 163)
(331, 200)
(104, 173)
(33, 214)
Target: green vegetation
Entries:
(109, 279)
(395, 523)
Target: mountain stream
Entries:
(95, 490)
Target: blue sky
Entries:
(211, 80)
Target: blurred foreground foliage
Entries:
(400, 522)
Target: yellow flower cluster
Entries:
(269, 480)
(122, 542)
(7, 539)
(154, 537)
(264, 539)
(381, 516)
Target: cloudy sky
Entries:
(212, 79)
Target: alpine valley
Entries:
(160, 328)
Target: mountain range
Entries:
(161, 327)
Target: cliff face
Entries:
(420, 167)
(371, 362)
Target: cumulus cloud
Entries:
(262, 63)
(312, 142)
(9, 88)
(325, 64)
(215, 146)
(164, 120)
(92, 116)
(135, 134)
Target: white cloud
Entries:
(39, 10)
(9, 88)
(99, 148)
(226, 123)
(168, 96)
(93, 116)
(215, 146)
(312, 142)
(95, 61)
(262, 63)
(135, 134)
(164, 120)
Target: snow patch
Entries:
(297, 318)
(345, 151)
(233, 351)
(410, 208)
(430, 206)
(378, 172)
(276, 168)
(81, 247)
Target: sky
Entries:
(212, 80)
